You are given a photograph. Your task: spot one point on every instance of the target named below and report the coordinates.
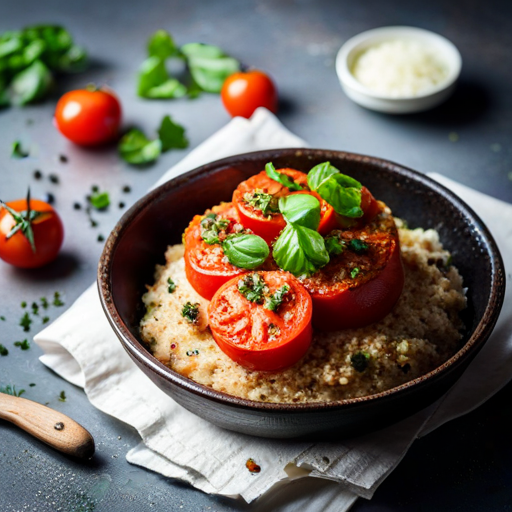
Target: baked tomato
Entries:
(242, 93)
(206, 265)
(88, 117)
(29, 237)
(262, 320)
(362, 283)
(256, 200)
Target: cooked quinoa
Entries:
(421, 332)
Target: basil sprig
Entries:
(300, 249)
(342, 192)
(245, 250)
(281, 177)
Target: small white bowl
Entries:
(368, 98)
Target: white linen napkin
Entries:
(82, 348)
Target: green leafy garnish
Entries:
(24, 345)
(281, 178)
(172, 135)
(3, 350)
(100, 200)
(45, 319)
(35, 308)
(357, 245)
(262, 201)
(57, 301)
(44, 303)
(11, 390)
(162, 45)
(272, 302)
(253, 287)
(334, 245)
(171, 285)
(190, 312)
(2, 318)
(342, 192)
(62, 396)
(17, 151)
(354, 272)
(211, 227)
(360, 361)
(31, 84)
(25, 322)
(301, 210)
(245, 250)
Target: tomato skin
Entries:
(243, 92)
(267, 228)
(252, 348)
(88, 117)
(48, 236)
(206, 278)
(363, 305)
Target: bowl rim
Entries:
(142, 355)
(380, 34)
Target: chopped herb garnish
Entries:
(252, 287)
(211, 227)
(44, 303)
(11, 390)
(25, 322)
(272, 302)
(32, 384)
(101, 238)
(357, 245)
(100, 200)
(57, 300)
(35, 308)
(3, 350)
(23, 304)
(273, 331)
(17, 151)
(2, 318)
(62, 396)
(354, 272)
(252, 466)
(24, 345)
(45, 319)
(334, 245)
(259, 200)
(360, 361)
(193, 352)
(171, 285)
(190, 312)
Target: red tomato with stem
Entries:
(88, 117)
(18, 227)
(253, 335)
(243, 92)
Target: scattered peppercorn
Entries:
(95, 188)
(101, 238)
(38, 174)
(121, 205)
(252, 466)
(77, 206)
(3, 350)
(53, 178)
(127, 189)
(49, 198)
(63, 158)
(360, 361)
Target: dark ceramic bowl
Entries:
(139, 240)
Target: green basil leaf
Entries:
(136, 148)
(320, 173)
(301, 209)
(201, 50)
(34, 50)
(11, 45)
(152, 73)
(74, 60)
(31, 84)
(172, 135)
(245, 251)
(300, 250)
(17, 150)
(281, 178)
(162, 45)
(210, 73)
(100, 200)
(171, 88)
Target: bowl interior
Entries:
(139, 241)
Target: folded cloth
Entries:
(82, 348)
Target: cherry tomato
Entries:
(372, 279)
(269, 223)
(256, 337)
(88, 117)
(47, 229)
(206, 266)
(243, 92)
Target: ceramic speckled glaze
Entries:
(139, 240)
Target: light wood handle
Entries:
(50, 426)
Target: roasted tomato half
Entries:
(206, 265)
(262, 320)
(362, 283)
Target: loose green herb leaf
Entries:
(172, 135)
(211, 227)
(100, 200)
(2, 318)
(262, 201)
(357, 245)
(281, 178)
(45, 319)
(354, 272)
(155, 83)
(17, 151)
(3, 350)
(300, 250)
(32, 384)
(11, 390)
(25, 322)
(360, 361)
(35, 308)
(136, 148)
(253, 287)
(31, 84)
(57, 300)
(334, 245)
(301, 210)
(245, 251)
(190, 312)
(62, 396)
(272, 302)
(23, 304)
(162, 45)
(44, 302)
(24, 345)
(342, 192)
(171, 285)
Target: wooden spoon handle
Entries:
(50, 426)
